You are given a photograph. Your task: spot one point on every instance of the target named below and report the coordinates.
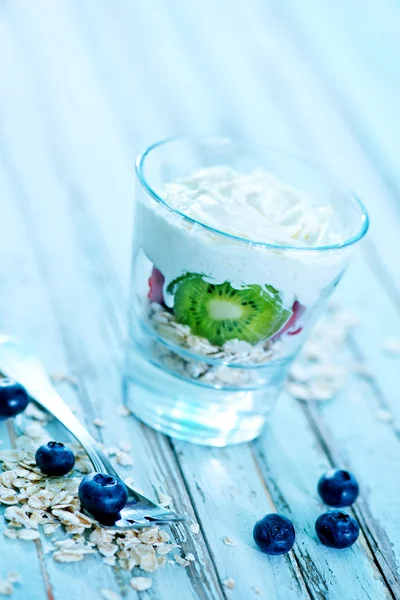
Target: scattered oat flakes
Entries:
(141, 583)
(109, 595)
(98, 422)
(14, 577)
(229, 541)
(36, 501)
(6, 588)
(320, 372)
(229, 583)
(164, 499)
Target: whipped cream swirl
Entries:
(255, 206)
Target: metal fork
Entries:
(17, 362)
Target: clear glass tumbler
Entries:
(184, 378)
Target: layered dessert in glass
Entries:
(234, 253)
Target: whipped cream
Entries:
(254, 206)
(242, 205)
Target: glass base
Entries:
(195, 413)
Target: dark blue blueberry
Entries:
(55, 459)
(337, 529)
(338, 488)
(274, 534)
(13, 398)
(103, 496)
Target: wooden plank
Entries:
(327, 130)
(26, 312)
(362, 292)
(369, 296)
(292, 463)
(319, 111)
(369, 91)
(83, 227)
(230, 497)
(242, 104)
(89, 325)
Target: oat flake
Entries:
(28, 535)
(229, 583)
(229, 541)
(123, 458)
(6, 588)
(164, 499)
(123, 410)
(141, 583)
(183, 562)
(195, 528)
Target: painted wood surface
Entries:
(84, 85)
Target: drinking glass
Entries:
(196, 388)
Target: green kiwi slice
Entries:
(220, 312)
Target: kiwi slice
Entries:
(173, 285)
(220, 312)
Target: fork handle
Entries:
(48, 398)
(25, 368)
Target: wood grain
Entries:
(85, 85)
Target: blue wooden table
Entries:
(86, 84)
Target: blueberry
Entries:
(103, 496)
(54, 458)
(338, 488)
(274, 534)
(13, 398)
(337, 529)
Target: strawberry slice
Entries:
(156, 284)
(290, 327)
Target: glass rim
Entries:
(140, 164)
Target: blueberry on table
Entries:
(103, 496)
(338, 488)
(337, 529)
(13, 398)
(274, 534)
(54, 458)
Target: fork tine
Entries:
(170, 518)
(124, 523)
